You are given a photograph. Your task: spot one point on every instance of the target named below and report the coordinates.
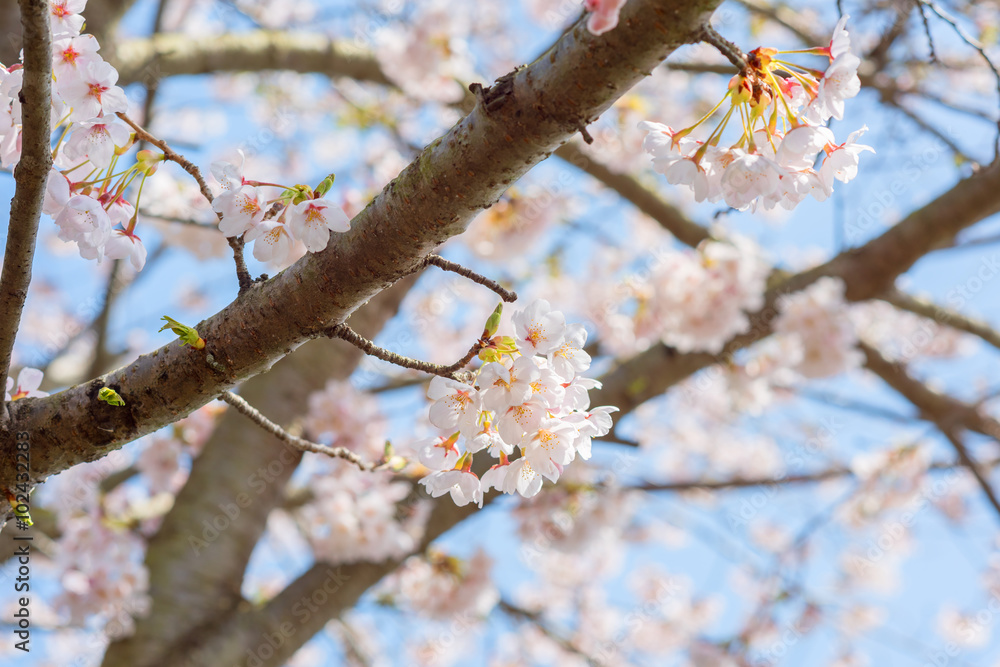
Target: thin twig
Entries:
(30, 175)
(974, 43)
(927, 29)
(725, 47)
(345, 332)
(242, 274)
(442, 263)
(298, 443)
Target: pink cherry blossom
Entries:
(93, 92)
(463, 486)
(85, 221)
(539, 328)
(455, 404)
(66, 19)
(604, 15)
(96, 141)
(311, 222)
(241, 212)
(123, 245)
(28, 381)
(72, 55)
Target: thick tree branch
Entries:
(432, 200)
(30, 174)
(948, 414)
(161, 56)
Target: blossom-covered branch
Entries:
(431, 200)
(30, 174)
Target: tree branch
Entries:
(30, 174)
(241, 467)
(254, 415)
(948, 414)
(454, 267)
(170, 55)
(344, 332)
(433, 199)
(242, 274)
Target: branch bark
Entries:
(145, 60)
(30, 174)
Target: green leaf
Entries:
(188, 335)
(110, 396)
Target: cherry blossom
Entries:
(241, 210)
(72, 55)
(93, 92)
(518, 402)
(772, 162)
(85, 221)
(28, 381)
(123, 245)
(271, 241)
(66, 18)
(604, 16)
(311, 222)
(455, 404)
(818, 317)
(97, 140)
(539, 327)
(463, 486)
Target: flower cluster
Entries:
(817, 318)
(85, 189)
(529, 396)
(783, 107)
(704, 296)
(102, 574)
(299, 213)
(442, 586)
(692, 300)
